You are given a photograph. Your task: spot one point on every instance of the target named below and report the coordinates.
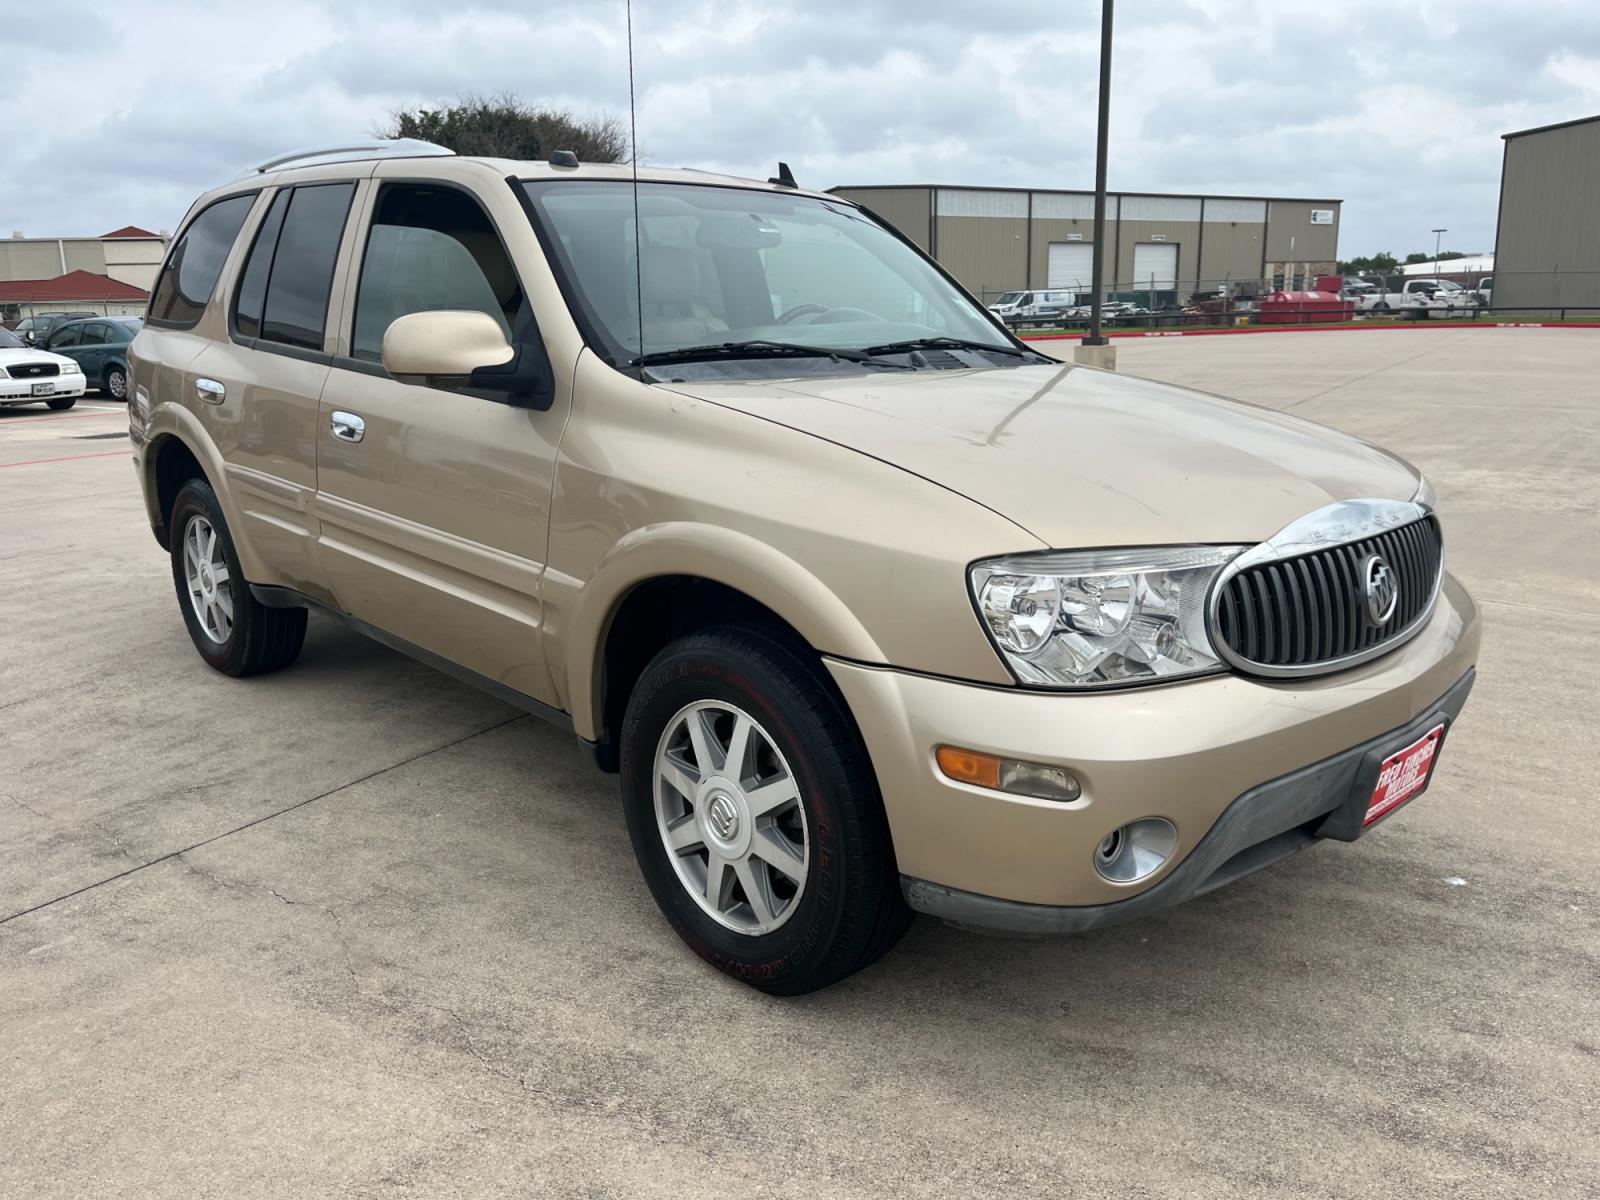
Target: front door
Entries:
(434, 505)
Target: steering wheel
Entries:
(800, 310)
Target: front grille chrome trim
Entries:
(1342, 523)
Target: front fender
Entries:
(580, 612)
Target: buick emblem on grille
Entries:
(1383, 593)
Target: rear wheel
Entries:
(232, 632)
(116, 383)
(62, 404)
(754, 812)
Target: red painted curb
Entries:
(1370, 326)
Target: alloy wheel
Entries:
(205, 571)
(729, 813)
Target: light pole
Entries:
(1436, 234)
(1095, 349)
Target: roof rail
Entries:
(376, 148)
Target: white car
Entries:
(36, 376)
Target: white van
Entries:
(1033, 307)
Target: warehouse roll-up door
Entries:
(1157, 261)
(1071, 266)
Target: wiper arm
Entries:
(944, 343)
(757, 348)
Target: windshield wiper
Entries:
(944, 343)
(757, 348)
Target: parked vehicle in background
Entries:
(1021, 308)
(33, 376)
(100, 346)
(1485, 292)
(874, 608)
(1419, 298)
(1357, 291)
(35, 329)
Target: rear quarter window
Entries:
(191, 271)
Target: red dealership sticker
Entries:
(1404, 774)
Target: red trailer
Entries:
(1303, 308)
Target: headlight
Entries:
(71, 368)
(1426, 496)
(1101, 617)
(3, 374)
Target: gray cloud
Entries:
(1396, 108)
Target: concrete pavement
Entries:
(357, 930)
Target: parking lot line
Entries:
(35, 462)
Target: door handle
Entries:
(210, 391)
(347, 427)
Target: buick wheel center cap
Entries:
(722, 814)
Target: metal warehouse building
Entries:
(998, 239)
(1547, 242)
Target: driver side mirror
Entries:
(468, 351)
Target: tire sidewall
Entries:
(111, 390)
(803, 940)
(194, 499)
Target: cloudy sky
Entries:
(1395, 107)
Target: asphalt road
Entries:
(356, 930)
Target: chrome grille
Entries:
(1300, 613)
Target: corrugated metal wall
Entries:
(1547, 250)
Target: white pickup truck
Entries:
(1420, 298)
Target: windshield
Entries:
(723, 265)
(10, 341)
(1010, 297)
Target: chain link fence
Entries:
(1156, 304)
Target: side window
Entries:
(191, 272)
(431, 248)
(95, 334)
(252, 296)
(301, 276)
(72, 335)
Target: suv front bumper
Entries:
(1245, 769)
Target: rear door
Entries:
(259, 388)
(434, 504)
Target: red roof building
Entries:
(73, 287)
(128, 231)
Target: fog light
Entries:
(1041, 781)
(1137, 850)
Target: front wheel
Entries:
(754, 812)
(61, 405)
(232, 631)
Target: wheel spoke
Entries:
(738, 746)
(685, 834)
(219, 573)
(719, 881)
(677, 775)
(700, 736)
(773, 848)
(225, 602)
(772, 796)
(754, 883)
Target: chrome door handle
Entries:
(347, 427)
(210, 391)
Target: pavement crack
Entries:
(251, 824)
(27, 808)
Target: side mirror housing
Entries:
(468, 351)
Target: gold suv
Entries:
(875, 609)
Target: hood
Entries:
(1084, 458)
(24, 355)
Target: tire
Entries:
(116, 383)
(845, 911)
(62, 404)
(254, 639)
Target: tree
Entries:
(504, 127)
(1422, 256)
(1381, 263)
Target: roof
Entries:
(73, 286)
(1110, 191)
(128, 231)
(1547, 128)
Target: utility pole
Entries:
(1436, 234)
(1096, 350)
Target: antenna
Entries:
(633, 158)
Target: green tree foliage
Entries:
(1422, 256)
(1381, 263)
(504, 127)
